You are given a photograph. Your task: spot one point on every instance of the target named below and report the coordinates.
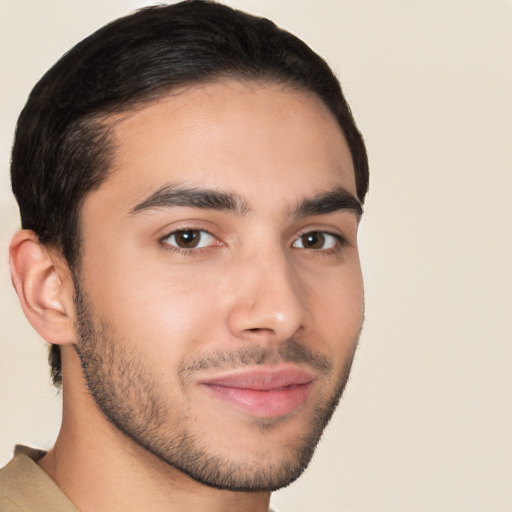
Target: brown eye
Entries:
(316, 240)
(189, 239)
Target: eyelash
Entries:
(181, 250)
(341, 242)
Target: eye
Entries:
(318, 240)
(189, 239)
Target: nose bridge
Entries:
(270, 299)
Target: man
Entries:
(190, 181)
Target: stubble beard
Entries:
(124, 390)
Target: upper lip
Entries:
(261, 379)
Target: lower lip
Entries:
(270, 403)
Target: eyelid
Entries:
(340, 239)
(187, 227)
(324, 230)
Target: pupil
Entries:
(313, 240)
(187, 239)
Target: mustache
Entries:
(291, 351)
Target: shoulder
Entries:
(17, 481)
(6, 505)
(25, 487)
(11, 479)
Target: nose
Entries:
(268, 301)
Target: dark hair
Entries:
(62, 150)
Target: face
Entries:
(220, 295)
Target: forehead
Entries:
(236, 136)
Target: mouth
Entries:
(262, 392)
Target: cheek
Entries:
(338, 308)
(347, 304)
(153, 305)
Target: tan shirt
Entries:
(25, 487)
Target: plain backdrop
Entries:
(426, 421)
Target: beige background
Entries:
(426, 423)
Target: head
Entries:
(84, 126)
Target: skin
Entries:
(155, 320)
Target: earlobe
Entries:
(44, 287)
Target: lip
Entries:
(262, 392)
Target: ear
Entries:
(44, 286)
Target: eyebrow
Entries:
(329, 202)
(170, 196)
